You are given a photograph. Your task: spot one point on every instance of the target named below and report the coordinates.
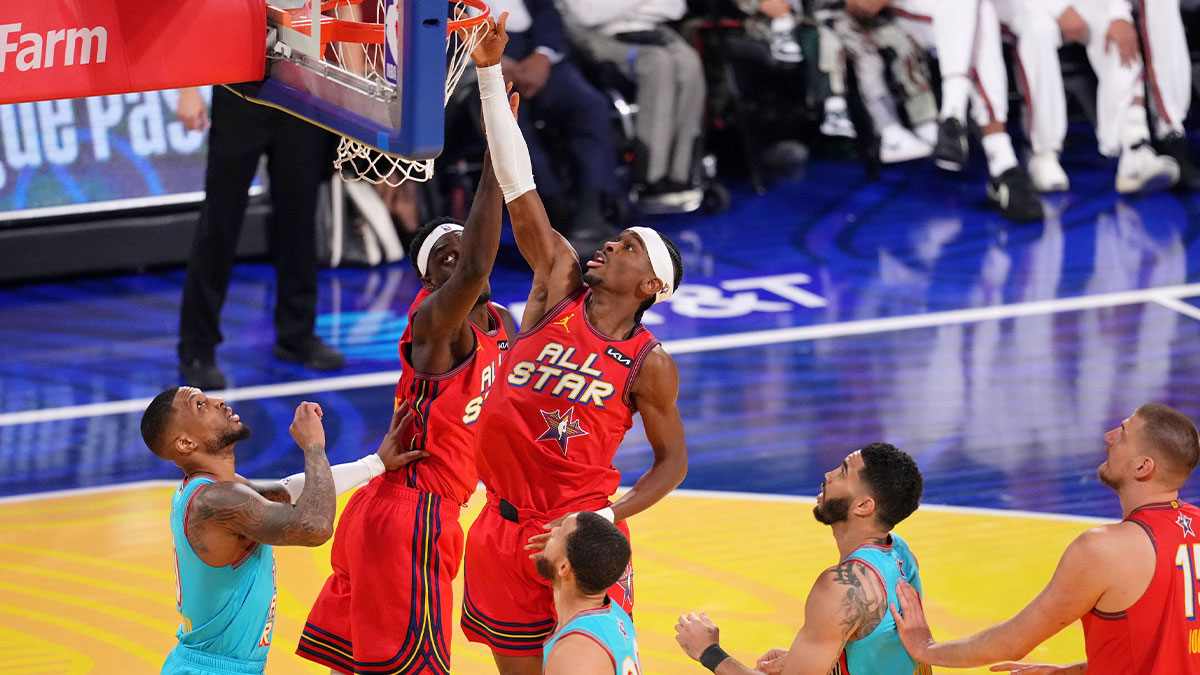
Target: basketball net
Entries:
(357, 161)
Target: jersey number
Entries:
(1187, 561)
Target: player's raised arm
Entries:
(445, 310)
(235, 507)
(554, 262)
(655, 392)
(1078, 582)
(391, 455)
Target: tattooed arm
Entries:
(273, 491)
(225, 516)
(845, 604)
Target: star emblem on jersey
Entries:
(1185, 523)
(626, 584)
(560, 428)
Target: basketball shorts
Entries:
(188, 661)
(388, 606)
(506, 604)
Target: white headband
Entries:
(427, 245)
(660, 260)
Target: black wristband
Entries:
(712, 657)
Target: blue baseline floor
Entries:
(1000, 412)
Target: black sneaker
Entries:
(313, 354)
(202, 374)
(950, 153)
(1012, 192)
(1176, 146)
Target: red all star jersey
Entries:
(550, 429)
(446, 410)
(1160, 633)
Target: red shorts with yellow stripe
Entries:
(506, 604)
(387, 608)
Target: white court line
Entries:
(1179, 306)
(684, 346)
(687, 494)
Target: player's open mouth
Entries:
(233, 417)
(597, 260)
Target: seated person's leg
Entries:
(689, 109)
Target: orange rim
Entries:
(466, 24)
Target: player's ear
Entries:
(865, 507)
(651, 286)
(183, 444)
(1144, 469)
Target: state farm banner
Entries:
(53, 49)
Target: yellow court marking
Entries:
(24, 653)
(81, 596)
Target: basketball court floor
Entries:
(829, 313)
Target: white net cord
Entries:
(359, 162)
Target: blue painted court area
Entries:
(826, 314)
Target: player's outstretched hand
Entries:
(538, 541)
(306, 426)
(490, 47)
(910, 622)
(695, 633)
(771, 663)
(394, 448)
(1038, 668)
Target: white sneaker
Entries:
(1047, 174)
(837, 119)
(1142, 170)
(897, 144)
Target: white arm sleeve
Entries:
(345, 476)
(510, 154)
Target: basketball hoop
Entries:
(370, 55)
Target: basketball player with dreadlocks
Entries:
(583, 365)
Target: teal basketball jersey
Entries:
(227, 611)
(611, 628)
(881, 651)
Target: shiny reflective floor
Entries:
(826, 314)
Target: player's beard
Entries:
(484, 298)
(228, 438)
(1107, 480)
(831, 511)
(545, 568)
(591, 279)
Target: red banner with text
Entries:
(51, 49)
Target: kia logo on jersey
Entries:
(617, 356)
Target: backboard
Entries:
(370, 70)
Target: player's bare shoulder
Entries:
(658, 370)
(1111, 541)
(216, 512)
